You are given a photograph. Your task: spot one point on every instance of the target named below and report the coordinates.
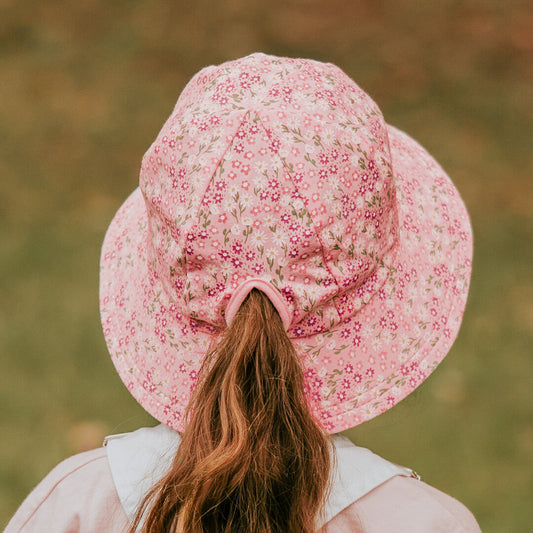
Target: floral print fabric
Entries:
(284, 171)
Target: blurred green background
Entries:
(85, 87)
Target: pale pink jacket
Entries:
(92, 493)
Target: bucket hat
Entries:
(282, 174)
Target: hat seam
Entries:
(442, 341)
(326, 266)
(207, 184)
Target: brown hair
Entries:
(252, 458)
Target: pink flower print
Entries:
(244, 83)
(309, 373)
(237, 263)
(311, 321)
(323, 174)
(237, 247)
(316, 382)
(345, 333)
(224, 254)
(316, 396)
(348, 368)
(222, 218)
(257, 268)
(298, 331)
(298, 177)
(275, 145)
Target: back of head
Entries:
(282, 175)
(252, 457)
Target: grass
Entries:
(85, 90)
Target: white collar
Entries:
(141, 458)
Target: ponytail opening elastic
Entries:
(270, 291)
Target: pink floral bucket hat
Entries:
(281, 174)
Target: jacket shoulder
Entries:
(78, 494)
(402, 505)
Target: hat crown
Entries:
(278, 170)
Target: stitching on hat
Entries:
(326, 266)
(209, 181)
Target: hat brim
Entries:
(386, 350)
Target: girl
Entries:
(291, 266)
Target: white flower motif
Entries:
(313, 291)
(258, 238)
(260, 166)
(300, 291)
(331, 314)
(271, 253)
(260, 180)
(328, 197)
(279, 238)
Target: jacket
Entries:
(99, 491)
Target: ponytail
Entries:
(252, 458)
